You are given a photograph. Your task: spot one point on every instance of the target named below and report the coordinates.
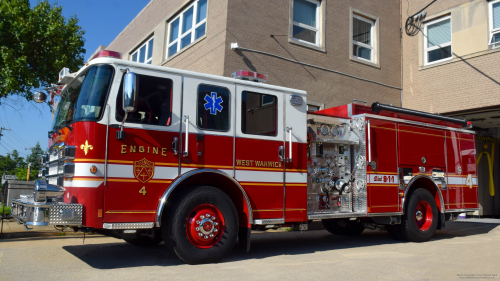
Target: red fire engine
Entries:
(149, 154)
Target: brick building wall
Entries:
(469, 82)
(251, 24)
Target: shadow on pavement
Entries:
(264, 245)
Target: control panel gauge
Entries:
(325, 130)
(335, 131)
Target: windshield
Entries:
(84, 98)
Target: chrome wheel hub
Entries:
(207, 226)
(419, 216)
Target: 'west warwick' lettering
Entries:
(256, 163)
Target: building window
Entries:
(312, 108)
(437, 40)
(188, 26)
(258, 114)
(306, 21)
(213, 108)
(362, 37)
(144, 53)
(494, 24)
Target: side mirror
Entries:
(39, 97)
(130, 92)
(129, 100)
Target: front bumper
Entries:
(29, 212)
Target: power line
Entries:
(15, 135)
(10, 152)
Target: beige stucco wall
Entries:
(152, 21)
(465, 82)
(251, 24)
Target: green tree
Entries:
(34, 157)
(35, 44)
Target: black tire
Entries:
(145, 241)
(175, 226)
(395, 232)
(344, 227)
(409, 226)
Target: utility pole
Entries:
(1, 131)
(29, 171)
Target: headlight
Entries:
(69, 152)
(69, 169)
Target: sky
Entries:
(102, 20)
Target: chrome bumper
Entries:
(29, 212)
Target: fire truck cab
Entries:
(151, 154)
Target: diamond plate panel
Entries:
(269, 221)
(360, 195)
(335, 215)
(128, 225)
(66, 214)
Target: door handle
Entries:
(289, 130)
(186, 121)
(281, 151)
(175, 144)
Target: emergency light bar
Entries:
(249, 75)
(107, 54)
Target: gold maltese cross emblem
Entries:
(86, 147)
(144, 170)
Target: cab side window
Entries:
(258, 114)
(154, 102)
(213, 108)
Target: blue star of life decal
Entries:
(213, 103)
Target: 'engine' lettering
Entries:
(142, 149)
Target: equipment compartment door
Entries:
(462, 190)
(383, 181)
(208, 124)
(259, 136)
(142, 166)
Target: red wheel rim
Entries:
(423, 215)
(205, 226)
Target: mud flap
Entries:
(441, 221)
(244, 238)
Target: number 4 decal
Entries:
(143, 190)
(469, 180)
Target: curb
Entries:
(27, 234)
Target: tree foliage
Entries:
(13, 164)
(35, 44)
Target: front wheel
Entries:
(202, 227)
(421, 217)
(344, 227)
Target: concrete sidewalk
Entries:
(12, 229)
(485, 220)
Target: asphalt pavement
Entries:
(462, 251)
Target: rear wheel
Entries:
(202, 227)
(421, 217)
(343, 227)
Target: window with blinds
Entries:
(437, 40)
(362, 37)
(306, 21)
(494, 7)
